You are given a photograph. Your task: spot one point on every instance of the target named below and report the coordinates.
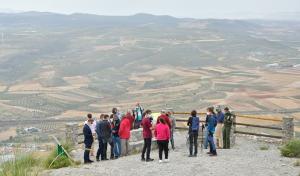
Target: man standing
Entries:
(147, 135)
(93, 129)
(88, 141)
(228, 120)
(98, 132)
(138, 116)
(220, 120)
(104, 130)
(211, 125)
(166, 119)
(115, 136)
(173, 126)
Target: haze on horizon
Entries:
(235, 9)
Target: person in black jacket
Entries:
(88, 140)
(104, 133)
(100, 148)
(115, 136)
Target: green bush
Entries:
(291, 149)
(22, 165)
(61, 161)
(264, 147)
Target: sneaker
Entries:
(208, 153)
(160, 161)
(190, 155)
(149, 160)
(167, 160)
(143, 159)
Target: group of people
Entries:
(114, 130)
(219, 123)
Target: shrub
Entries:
(264, 147)
(61, 161)
(22, 165)
(291, 149)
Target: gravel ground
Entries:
(244, 159)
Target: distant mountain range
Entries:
(286, 16)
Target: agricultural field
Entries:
(53, 68)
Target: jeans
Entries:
(163, 146)
(193, 142)
(117, 146)
(87, 152)
(147, 147)
(172, 139)
(212, 147)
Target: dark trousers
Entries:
(100, 152)
(147, 147)
(87, 152)
(104, 150)
(111, 143)
(226, 136)
(137, 124)
(193, 137)
(163, 146)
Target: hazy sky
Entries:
(178, 8)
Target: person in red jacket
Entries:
(165, 118)
(162, 134)
(124, 133)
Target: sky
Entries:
(177, 8)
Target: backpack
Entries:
(195, 123)
(215, 120)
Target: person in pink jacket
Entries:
(162, 134)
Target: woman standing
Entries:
(124, 133)
(162, 134)
(194, 124)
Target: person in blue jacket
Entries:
(219, 128)
(88, 141)
(211, 126)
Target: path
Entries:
(244, 159)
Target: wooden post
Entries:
(287, 129)
(72, 133)
(232, 132)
